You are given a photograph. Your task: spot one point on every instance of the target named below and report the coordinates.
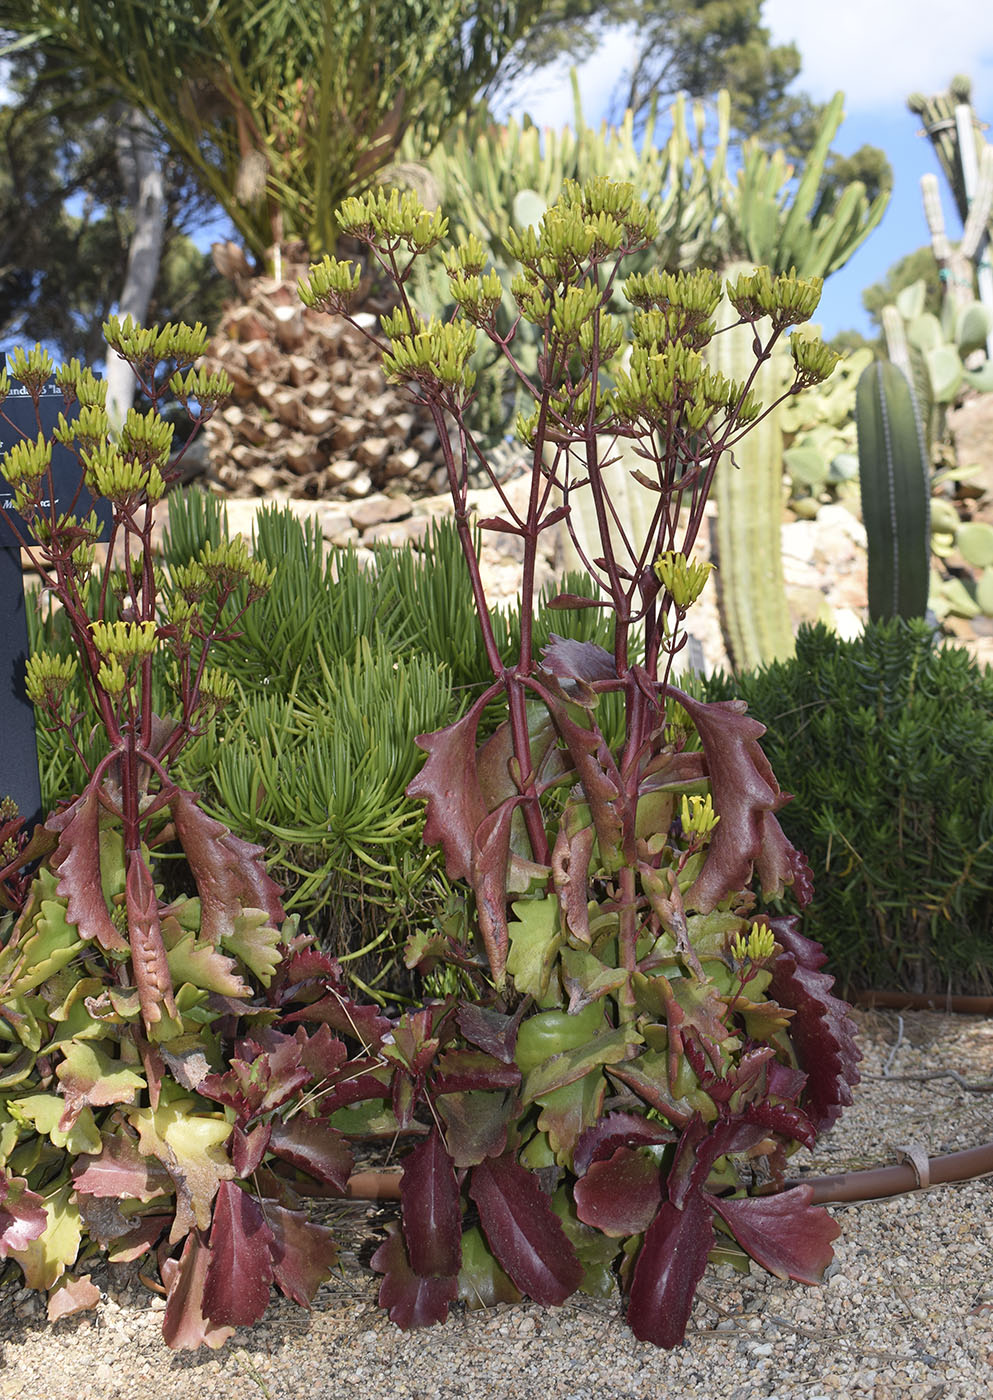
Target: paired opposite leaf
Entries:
(524, 1232)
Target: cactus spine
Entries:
(894, 473)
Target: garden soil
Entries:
(906, 1309)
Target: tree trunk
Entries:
(142, 173)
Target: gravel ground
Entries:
(907, 1310)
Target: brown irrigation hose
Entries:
(877, 1182)
(921, 1001)
(870, 1185)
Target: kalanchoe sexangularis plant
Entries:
(150, 1105)
(636, 1047)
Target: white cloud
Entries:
(879, 51)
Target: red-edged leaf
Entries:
(490, 858)
(354, 1088)
(571, 873)
(322, 1053)
(449, 781)
(145, 1235)
(790, 1123)
(239, 1270)
(248, 1149)
(121, 1172)
(822, 1031)
(72, 1295)
(490, 1030)
(784, 1233)
(314, 1147)
(410, 1300)
(303, 1253)
(476, 1125)
(77, 860)
(243, 1087)
(669, 1266)
(148, 952)
(601, 781)
(184, 1326)
(614, 1131)
(283, 1056)
(431, 1211)
(572, 660)
(621, 1195)
(366, 1024)
(459, 1070)
(524, 1232)
(229, 873)
(23, 1217)
(745, 795)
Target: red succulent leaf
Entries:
(491, 1030)
(613, 1131)
(784, 1233)
(473, 1069)
(822, 1031)
(322, 1053)
(148, 954)
(431, 1211)
(601, 781)
(72, 1295)
(243, 1087)
(303, 1253)
(184, 1325)
(121, 1172)
(364, 1023)
(524, 1232)
(355, 1087)
(790, 1123)
(652, 1091)
(620, 1195)
(77, 860)
(283, 1056)
(239, 1270)
(476, 1125)
(745, 794)
(571, 872)
(488, 872)
(411, 1301)
(125, 1249)
(248, 1149)
(669, 1266)
(581, 661)
(229, 873)
(449, 781)
(23, 1217)
(306, 969)
(316, 1148)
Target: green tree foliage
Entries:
(281, 109)
(691, 46)
(65, 221)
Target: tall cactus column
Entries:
(748, 491)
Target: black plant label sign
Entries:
(19, 754)
(20, 419)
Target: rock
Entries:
(378, 510)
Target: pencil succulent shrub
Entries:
(331, 657)
(886, 741)
(623, 1047)
(150, 1105)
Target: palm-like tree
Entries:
(281, 110)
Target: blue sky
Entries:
(876, 52)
